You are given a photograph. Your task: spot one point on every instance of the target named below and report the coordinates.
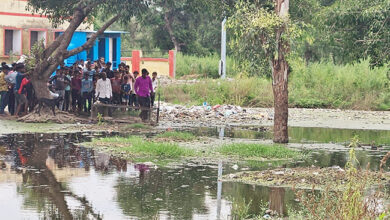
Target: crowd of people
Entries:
(79, 86)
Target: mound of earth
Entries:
(47, 116)
(305, 177)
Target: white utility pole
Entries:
(222, 62)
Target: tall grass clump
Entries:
(352, 86)
(205, 67)
(177, 136)
(353, 203)
(259, 150)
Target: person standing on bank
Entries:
(3, 89)
(60, 83)
(143, 87)
(86, 92)
(20, 99)
(133, 97)
(155, 84)
(104, 89)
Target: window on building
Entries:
(12, 42)
(36, 36)
(57, 34)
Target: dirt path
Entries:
(181, 116)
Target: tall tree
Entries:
(280, 71)
(264, 31)
(76, 12)
(187, 26)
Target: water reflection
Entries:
(47, 176)
(53, 178)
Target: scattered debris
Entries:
(304, 177)
(218, 114)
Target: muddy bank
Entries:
(226, 115)
(306, 177)
(12, 126)
(177, 116)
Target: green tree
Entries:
(187, 26)
(75, 12)
(265, 32)
(358, 29)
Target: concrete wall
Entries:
(163, 66)
(155, 65)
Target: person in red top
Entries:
(116, 83)
(23, 91)
(76, 90)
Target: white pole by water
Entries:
(219, 190)
(222, 62)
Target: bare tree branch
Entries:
(92, 39)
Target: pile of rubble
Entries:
(212, 115)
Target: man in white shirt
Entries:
(154, 84)
(104, 89)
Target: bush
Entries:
(350, 204)
(333, 86)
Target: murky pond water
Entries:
(47, 176)
(300, 134)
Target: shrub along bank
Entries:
(318, 85)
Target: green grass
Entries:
(258, 150)
(177, 135)
(137, 126)
(136, 146)
(139, 147)
(353, 86)
(317, 85)
(254, 92)
(205, 67)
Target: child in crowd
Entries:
(126, 90)
(116, 88)
(86, 92)
(133, 96)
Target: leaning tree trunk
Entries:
(40, 88)
(57, 51)
(280, 89)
